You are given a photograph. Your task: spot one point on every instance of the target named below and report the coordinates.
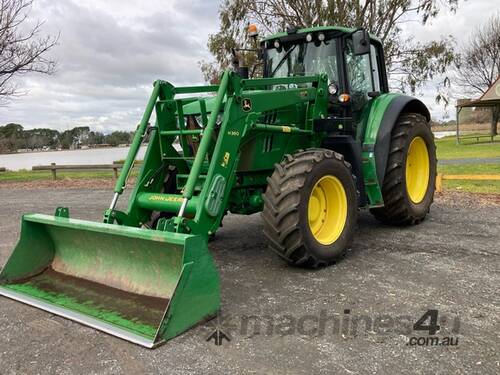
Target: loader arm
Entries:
(208, 176)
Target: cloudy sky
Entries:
(111, 51)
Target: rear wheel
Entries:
(409, 182)
(310, 208)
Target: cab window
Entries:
(359, 76)
(302, 59)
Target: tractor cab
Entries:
(352, 59)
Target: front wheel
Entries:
(410, 177)
(310, 208)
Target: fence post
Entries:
(439, 183)
(53, 169)
(115, 171)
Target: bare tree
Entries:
(478, 64)
(22, 48)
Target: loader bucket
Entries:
(142, 285)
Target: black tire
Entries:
(398, 208)
(285, 210)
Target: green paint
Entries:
(371, 119)
(117, 274)
(378, 108)
(88, 308)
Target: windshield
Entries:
(304, 59)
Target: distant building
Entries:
(488, 103)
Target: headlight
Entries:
(309, 37)
(344, 98)
(277, 44)
(332, 89)
(321, 37)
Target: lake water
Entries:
(15, 162)
(446, 133)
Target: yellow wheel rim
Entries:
(417, 170)
(327, 210)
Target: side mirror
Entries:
(361, 42)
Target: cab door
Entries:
(365, 79)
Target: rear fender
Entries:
(383, 115)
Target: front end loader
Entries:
(308, 145)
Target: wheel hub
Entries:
(417, 170)
(327, 210)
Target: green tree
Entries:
(118, 137)
(95, 138)
(74, 137)
(39, 138)
(410, 64)
(10, 136)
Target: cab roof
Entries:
(346, 30)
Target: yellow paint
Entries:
(165, 198)
(479, 177)
(470, 177)
(327, 210)
(439, 182)
(225, 160)
(417, 170)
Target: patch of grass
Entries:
(471, 186)
(122, 161)
(492, 187)
(469, 168)
(25, 175)
(447, 148)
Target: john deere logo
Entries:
(246, 105)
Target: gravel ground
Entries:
(389, 278)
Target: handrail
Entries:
(195, 89)
(259, 82)
(204, 144)
(184, 132)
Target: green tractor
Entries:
(314, 140)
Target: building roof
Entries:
(490, 98)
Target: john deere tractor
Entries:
(309, 144)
